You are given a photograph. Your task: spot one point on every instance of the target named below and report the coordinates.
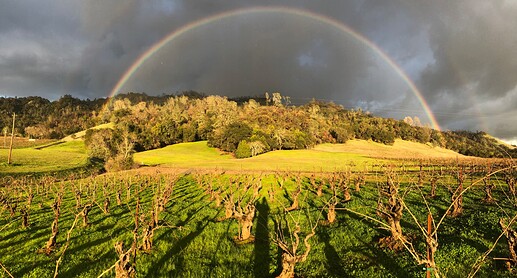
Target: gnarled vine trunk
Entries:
(295, 204)
(51, 243)
(84, 213)
(457, 196)
(123, 267)
(390, 208)
(290, 257)
(245, 218)
(511, 237)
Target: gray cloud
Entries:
(474, 61)
(461, 54)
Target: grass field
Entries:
(356, 154)
(400, 149)
(327, 157)
(198, 155)
(192, 241)
(57, 157)
(23, 142)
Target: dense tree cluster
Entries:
(113, 146)
(477, 144)
(246, 126)
(40, 118)
(253, 127)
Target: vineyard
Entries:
(450, 219)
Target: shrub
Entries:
(230, 138)
(243, 150)
(114, 147)
(119, 163)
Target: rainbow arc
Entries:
(333, 23)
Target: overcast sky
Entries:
(462, 55)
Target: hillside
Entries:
(55, 157)
(324, 157)
(401, 149)
(246, 126)
(80, 135)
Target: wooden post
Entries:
(429, 227)
(12, 139)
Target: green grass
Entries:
(198, 155)
(80, 135)
(58, 157)
(193, 243)
(23, 142)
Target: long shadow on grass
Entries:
(174, 254)
(29, 235)
(115, 215)
(190, 216)
(334, 265)
(183, 223)
(77, 269)
(262, 259)
(279, 252)
(376, 254)
(219, 242)
(191, 201)
(31, 266)
(90, 244)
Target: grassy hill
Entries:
(48, 155)
(71, 153)
(400, 149)
(80, 135)
(325, 157)
(63, 156)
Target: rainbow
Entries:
(282, 10)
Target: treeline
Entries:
(478, 144)
(252, 127)
(37, 117)
(246, 126)
(40, 118)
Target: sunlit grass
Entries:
(54, 158)
(195, 244)
(198, 155)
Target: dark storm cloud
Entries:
(479, 48)
(474, 48)
(38, 47)
(262, 54)
(462, 54)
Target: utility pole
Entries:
(5, 130)
(12, 139)
(429, 227)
